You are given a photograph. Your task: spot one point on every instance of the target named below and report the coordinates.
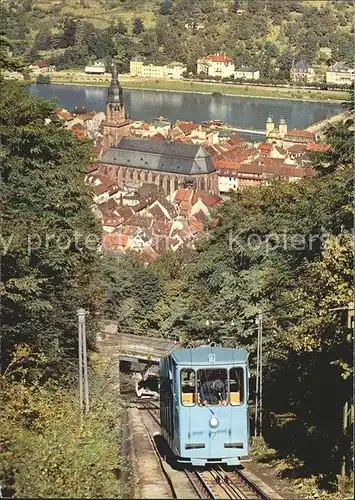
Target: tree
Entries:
(138, 26)
(43, 41)
(69, 27)
(8, 63)
(49, 264)
(165, 8)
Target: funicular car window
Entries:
(188, 387)
(212, 387)
(236, 386)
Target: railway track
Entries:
(224, 484)
(218, 482)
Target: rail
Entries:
(217, 482)
(221, 483)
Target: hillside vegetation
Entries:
(48, 270)
(266, 33)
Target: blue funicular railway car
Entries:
(203, 405)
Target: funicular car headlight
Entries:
(213, 422)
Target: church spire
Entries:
(115, 92)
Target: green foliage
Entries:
(252, 33)
(49, 234)
(45, 450)
(44, 79)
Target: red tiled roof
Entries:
(301, 133)
(317, 147)
(226, 164)
(92, 168)
(267, 161)
(265, 147)
(111, 221)
(288, 171)
(251, 168)
(162, 227)
(297, 148)
(87, 116)
(208, 199)
(124, 212)
(168, 206)
(157, 212)
(41, 63)
(187, 127)
(198, 220)
(100, 189)
(158, 137)
(219, 58)
(139, 221)
(236, 139)
(183, 194)
(115, 239)
(239, 154)
(130, 230)
(139, 206)
(108, 206)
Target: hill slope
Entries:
(266, 33)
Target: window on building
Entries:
(236, 386)
(212, 387)
(188, 387)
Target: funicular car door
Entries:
(175, 409)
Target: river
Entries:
(241, 112)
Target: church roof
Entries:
(159, 156)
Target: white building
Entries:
(227, 181)
(173, 70)
(340, 74)
(247, 73)
(216, 65)
(98, 68)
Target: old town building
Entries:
(129, 161)
(169, 165)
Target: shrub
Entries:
(45, 79)
(46, 452)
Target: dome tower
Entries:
(270, 125)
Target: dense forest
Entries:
(266, 33)
(49, 268)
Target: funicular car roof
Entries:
(200, 356)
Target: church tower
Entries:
(116, 124)
(282, 127)
(270, 125)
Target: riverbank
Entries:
(226, 89)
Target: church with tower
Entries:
(116, 125)
(285, 138)
(167, 164)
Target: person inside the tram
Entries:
(213, 390)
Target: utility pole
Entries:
(83, 364)
(259, 379)
(260, 332)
